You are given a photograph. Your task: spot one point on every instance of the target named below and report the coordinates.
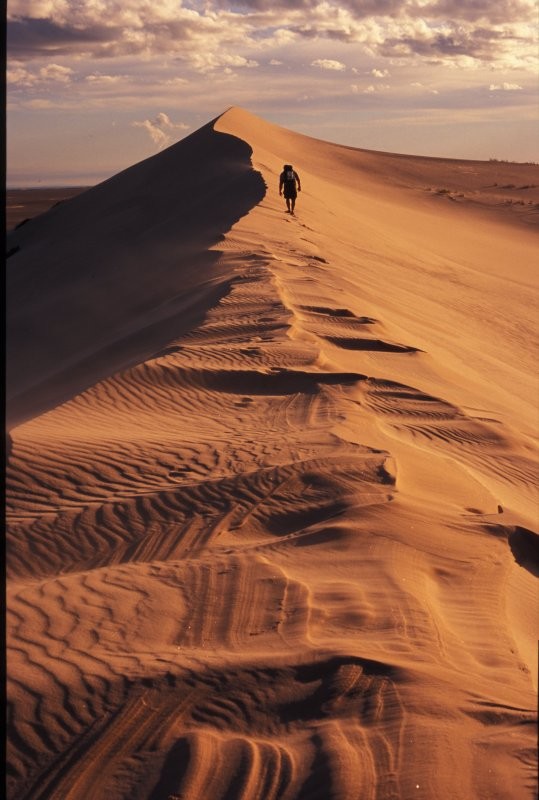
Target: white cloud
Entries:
(56, 72)
(97, 79)
(17, 75)
(277, 38)
(379, 73)
(51, 73)
(161, 129)
(210, 60)
(380, 87)
(505, 87)
(328, 63)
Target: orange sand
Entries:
(272, 480)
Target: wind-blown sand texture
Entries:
(272, 480)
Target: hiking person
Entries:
(287, 182)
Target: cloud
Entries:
(161, 129)
(498, 12)
(207, 61)
(380, 87)
(97, 79)
(505, 87)
(361, 8)
(221, 35)
(17, 75)
(56, 72)
(112, 29)
(328, 63)
(371, 89)
(30, 37)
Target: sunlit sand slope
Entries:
(272, 480)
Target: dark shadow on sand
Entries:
(524, 545)
(106, 279)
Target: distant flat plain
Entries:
(22, 204)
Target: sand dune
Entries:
(22, 205)
(272, 480)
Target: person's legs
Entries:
(290, 202)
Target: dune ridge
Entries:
(275, 535)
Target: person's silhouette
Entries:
(288, 180)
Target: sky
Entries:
(94, 86)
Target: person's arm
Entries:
(281, 181)
(298, 180)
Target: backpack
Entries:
(289, 176)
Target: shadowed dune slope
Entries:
(272, 479)
(102, 278)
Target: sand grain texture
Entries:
(272, 480)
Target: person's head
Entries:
(287, 166)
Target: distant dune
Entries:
(272, 502)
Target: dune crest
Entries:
(272, 509)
